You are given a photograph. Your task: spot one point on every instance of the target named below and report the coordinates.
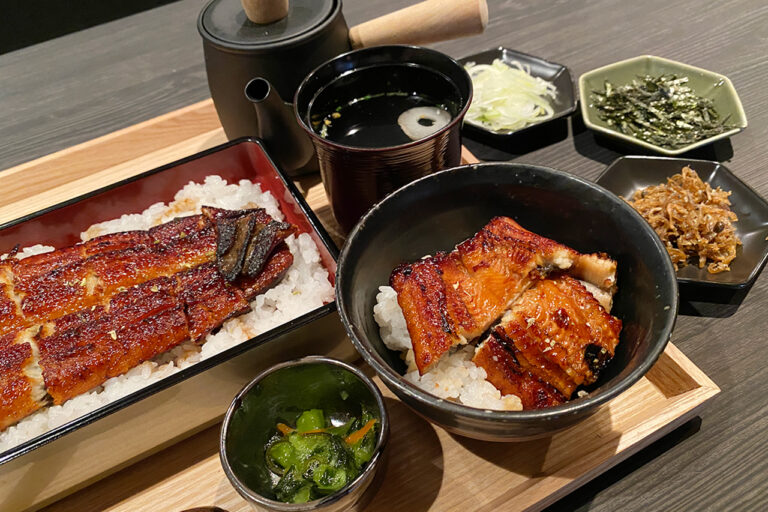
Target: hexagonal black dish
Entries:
(630, 173)
(564, 105)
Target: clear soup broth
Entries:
(384, 106)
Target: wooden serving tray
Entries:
(428, 468)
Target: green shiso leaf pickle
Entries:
(316, 458)
(313, 419)
(661, 110)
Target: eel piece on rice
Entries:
(505, 373)
(11, 319)
(273, 271)
(72, 318)
(209, 299)
(556, 333)
(450, 298)
(21, 385)
(246, 241)
(83, 350)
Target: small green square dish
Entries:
(705, 83)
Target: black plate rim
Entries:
(395, 381)
(205, 364)
(572, 107)
(722, 168)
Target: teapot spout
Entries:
(290, 146)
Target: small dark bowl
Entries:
(281, 394)
(630, 173)
(438, 211)
(564, 105)
(356, 177)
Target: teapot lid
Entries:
(225, 22)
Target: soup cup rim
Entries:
(459, 117)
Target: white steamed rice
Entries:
(454, 377)
(304, 288)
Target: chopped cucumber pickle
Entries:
(316, 459)
(313, 419)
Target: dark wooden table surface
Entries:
(71, 89)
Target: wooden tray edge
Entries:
(688, 405)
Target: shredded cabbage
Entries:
(507, 97)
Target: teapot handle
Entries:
(426, 22)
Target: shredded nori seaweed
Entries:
(662, 110)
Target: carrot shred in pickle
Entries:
(284, 429)
(358, 435)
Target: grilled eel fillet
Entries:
(450, 298)
(21, 384)
(72, 318)
(556, 338)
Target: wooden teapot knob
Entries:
(265, 11)
(426, 22)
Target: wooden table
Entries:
(91, 83)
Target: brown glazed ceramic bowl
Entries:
(356, 177)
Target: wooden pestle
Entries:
(265, 11)
(426, 22)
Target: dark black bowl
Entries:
(630, 173)
(564, 105)
(438, 211)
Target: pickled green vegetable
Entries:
(281, 455)
(316, 458)
(313, 419)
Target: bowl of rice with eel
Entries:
(506, 301)
(143, 297)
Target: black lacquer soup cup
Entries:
(355, 176)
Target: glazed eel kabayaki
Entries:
(555, 338)
(555, 335)
(450, 298)
(72, 318)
